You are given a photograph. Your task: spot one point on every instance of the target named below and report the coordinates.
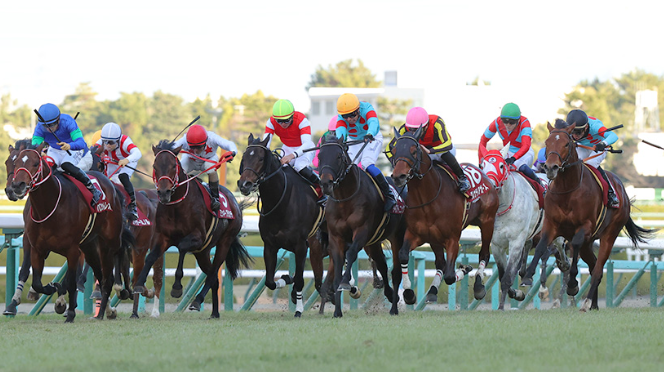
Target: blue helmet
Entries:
(541, 155)
(49, 114)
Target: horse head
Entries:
(494, 166)
(29, 171)
(254, 165)
(408, 157)
(333, 162)
(166, 170)
(560, 149)
(9, 165)
(98, 163)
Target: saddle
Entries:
(477, 189)
(224, 210)
(602, 184)
(142, 220)
(103, 203)
(538, 189)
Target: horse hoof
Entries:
(96, 295)
(520, 296)
(556, 304)
(409, 297)
(298, 314)
(60, 308)
(343, 287)
(526, 282)
(150, 293)
(394, 311)
(124, 294)
(432, 298)
(195, 306)
(479, 291)
(112, 314)
(338, 314)
(572, 291)
(378, 283)
(176, 293)
(586, 306)
(355, 293)
(138, 290)
(133, 316)
(33, 295)
(214, 316)
(11, 309)
(543, 293)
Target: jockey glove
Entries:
(368, 138)
(600, 146)
(510, 160)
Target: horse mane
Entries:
(31, 146)
(330, 137)
(560, 124)
(165, 145)
(23, 143)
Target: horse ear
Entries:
(155, 150)
(505, 150)
(340, 140)
(267, 139)
(177, 150)
(418, 133)
(396, 133)
(11, 148)
(251, 139)
(549, 127)
(41, 147)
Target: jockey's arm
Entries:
(525, 146)
(77, 141)
(443, 135)
(225, 144)
(609, 137)
(269, 131)
(134, 154)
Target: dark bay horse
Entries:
(183, 221)
(356, 219)
(575, 211)
(289, 216)
(59, 220)
(146, 201)
(436, 213)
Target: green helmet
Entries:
(510, 111)
(282, 109)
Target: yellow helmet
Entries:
(95, 137)
(347, 103)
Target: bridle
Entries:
(35, 180)
(416, 163)
(173, 180)
(262, 177)
(344, 165)
(571, 146)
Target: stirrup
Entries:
(215, 204)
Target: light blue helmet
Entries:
(541, 155)
(49, 114)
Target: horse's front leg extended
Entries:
(542, 245)
(298, 280)
(176, 290)
(351, 256)
(157, 251)
(409, 297)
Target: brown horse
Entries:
(575, 211)
(356, 219)
(289, 217)
(146, 201)
(436, 213)
(60, 221)
(183, 221)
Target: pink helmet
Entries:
(417, 117)
(333, 123)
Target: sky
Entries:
(196, 48)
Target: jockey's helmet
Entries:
(96, 137)
(347, 103)
(332, 125)
(510, 111)
(111, 132)
(49, 114)
(196, 136)
(417, 117)
(283, 110)
(577, 118)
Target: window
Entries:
(329, 108)
(315, 108)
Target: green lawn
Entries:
(556, 340)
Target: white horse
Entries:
(518, 220)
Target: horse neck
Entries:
(429, 184)
(349, 184)
(570, 177)
(272, 188)
(46, 195)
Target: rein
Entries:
(414, 163)
(175, 180)
(564, 163)
(262, 178)
(343, 172)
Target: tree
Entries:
(344, 74)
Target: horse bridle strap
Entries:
(175, 180)
(413, 163)
(34, 183)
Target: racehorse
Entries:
(184, 221)
(518, 221)
(146, 201)
(355, 219)
(437, 213)
(289, 215)
(60, 220)
(575, 210)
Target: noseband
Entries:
(344, 167)
(174, 180)
(34, 178)
(564, 163)
(261, 177)
(413, 162)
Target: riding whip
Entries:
(185, 128)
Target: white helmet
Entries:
(111, 132)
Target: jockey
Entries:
(120, 148)
(331, 129)
(358, 121)
(590, 131)
(202, 144)
(53, 124)
(435, 139)
(514, 130)
(541, 159)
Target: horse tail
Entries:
(245, 203)
(638, 234)
(237, 257)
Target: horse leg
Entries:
(544, 242)
(524, 258)
(71, 285)
(479, 291)
(176, 291)
(211, 281)
(138, 258)
(316, 261)
(359, 240)
(380, 264)
(501, 261)
(409, 297)
(572, 283)
(439, 252)
(298, 280)
(23, 274)
(596, 267)
(156, 252)
(270, 259)
(337, 246)
(158, 281)
(515, 248)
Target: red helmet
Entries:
(196, 136)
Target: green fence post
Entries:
(13, 262)
(162, 292)
(451, 296)
(421, 284)
(463, 294)
(192, 292)
(489, 284)
(630, 285)
(653, 284)
(354, 302)
(88, 308)
(228, 290)
(495, 289)
(260, 287)
(609, 284)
